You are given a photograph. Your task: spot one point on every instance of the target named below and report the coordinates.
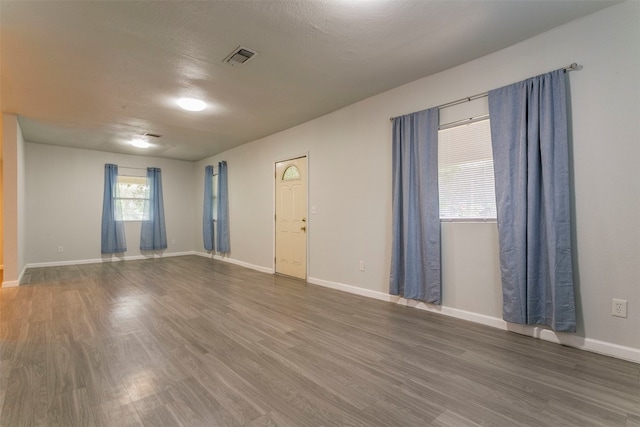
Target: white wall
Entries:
(350, 182)
(22, 205)
(14, 223)
(64, 203)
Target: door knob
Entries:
(303, 228)
(304, 219)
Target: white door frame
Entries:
(273, 194)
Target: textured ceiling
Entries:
(95, 74)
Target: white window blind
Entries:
(214, 204)
(465, 173)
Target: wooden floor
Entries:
(195, 342)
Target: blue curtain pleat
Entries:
(415, 257)
(222, 224)
(207, 209)
(112, 235)
(531, 164)
(153, 235)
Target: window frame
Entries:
(119, 200)
(474, 219)
(292, 177)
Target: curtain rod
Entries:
(467, 121)
(568, 68)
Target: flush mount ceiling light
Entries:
(191, 104)
(139, 143)
(142, 141)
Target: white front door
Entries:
(291, 217)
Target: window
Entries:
(133, 193)
(291, 173)
(214, 188)
(465, 173)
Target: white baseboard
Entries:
(106, 259)
(589, 344)
(351, 289)
(139, 257)
(235, 261)
(570, 340)
(14, 283)
(10, 284)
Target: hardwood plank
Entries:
(272, 419)
(191, 341)
(72, 408)
(633, 421)
(120, 413)
(450, 419)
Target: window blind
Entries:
(465, 173)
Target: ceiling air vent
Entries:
(240, 56)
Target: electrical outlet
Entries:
(619, 307)
(60, 249)
(361, 265)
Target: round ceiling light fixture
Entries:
(191, 104)
(139, 143)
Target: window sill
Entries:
(482, 220)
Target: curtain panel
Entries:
(207, 209)
(415, 257)
(153, 235)
(112, 233)
(531, 166)
(222, 237)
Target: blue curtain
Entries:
(222, 223)
(415, 257)
(531, 163)
(113, 238)
(207, 209)
(153, 235)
